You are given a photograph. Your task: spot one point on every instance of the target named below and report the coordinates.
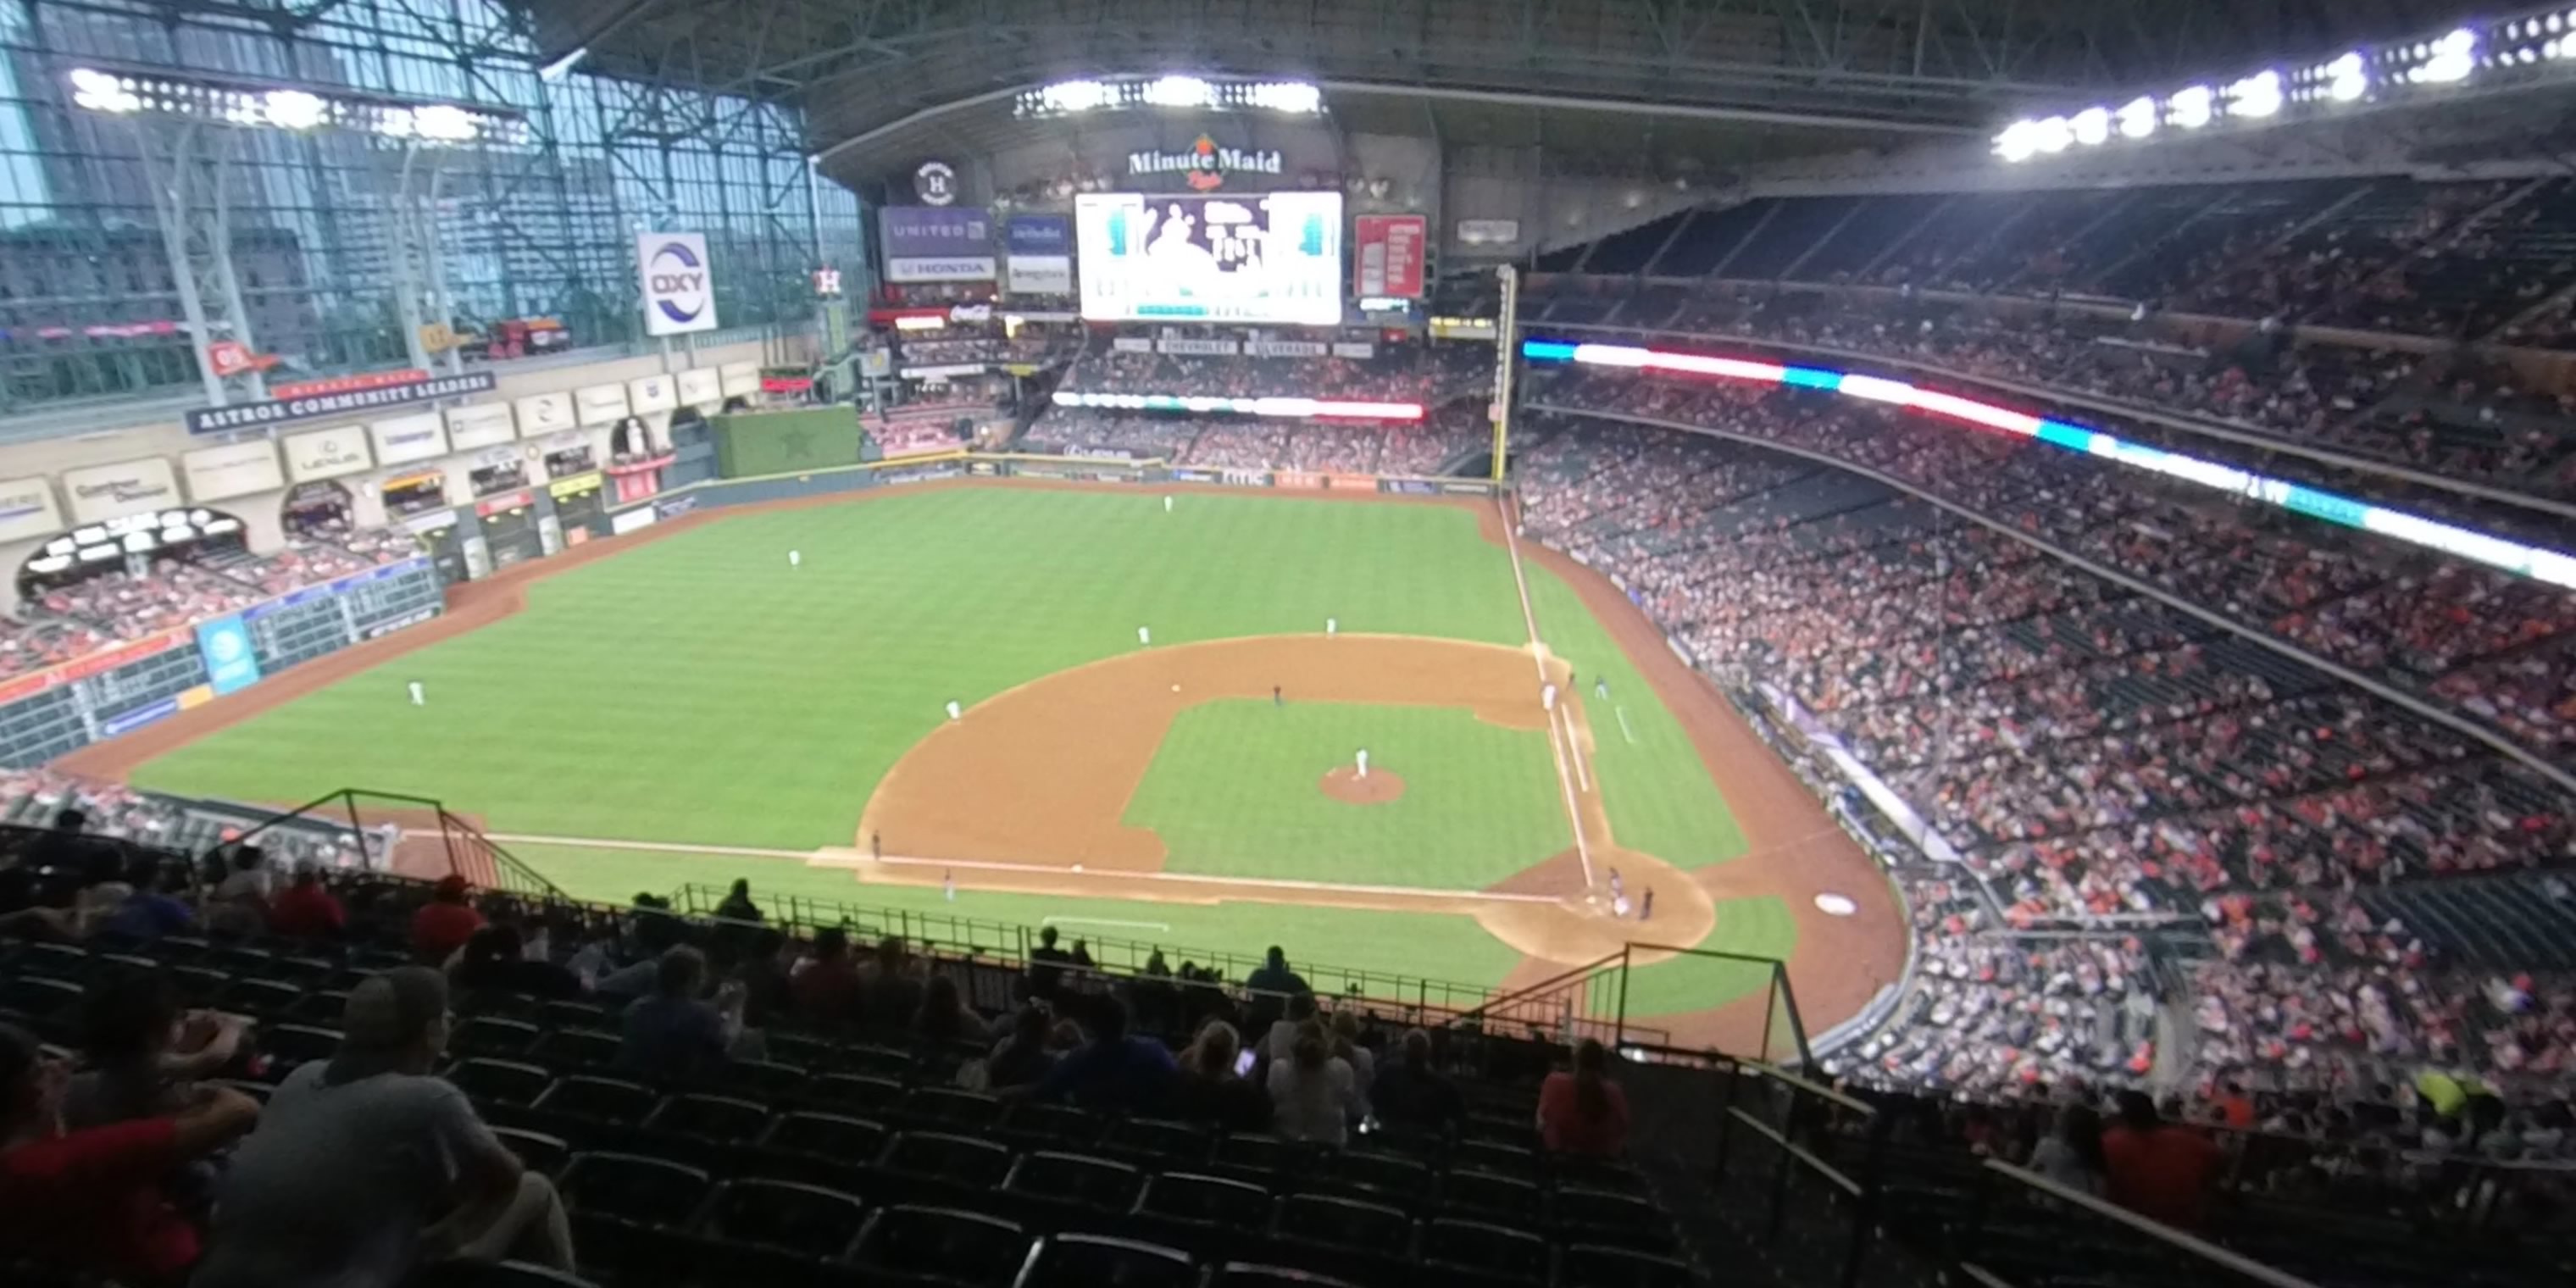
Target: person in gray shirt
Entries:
(364, 1166)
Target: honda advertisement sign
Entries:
(679, 288)
(936, 243)
(1386, 255)
(1041, 255)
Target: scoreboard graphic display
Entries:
(1254, 257)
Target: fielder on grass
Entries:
(419, 695)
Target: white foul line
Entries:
(1164, 926)
(1573, 749)
(1573, 812)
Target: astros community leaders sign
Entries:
(286, 411)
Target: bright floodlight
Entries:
(442, 123)
(2138, 117)
(2347, 78)
(1294, 97)
(100, 92)
(1180, 91)
(2257, 95)
(2192, 108)
(1074, 96)
(2454, 57)
(2016, 143)
(293, 109)
(2092, 126)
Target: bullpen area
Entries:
(1159, 714)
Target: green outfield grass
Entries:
(1232, 791)
(697, 689)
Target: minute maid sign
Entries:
(1206, 165)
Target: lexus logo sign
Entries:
(935, 183)
(679, 287)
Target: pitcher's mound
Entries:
(1346, 785)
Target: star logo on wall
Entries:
(799, 441)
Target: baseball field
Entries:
(1159, 719)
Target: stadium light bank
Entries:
(1072, 97)
(2556, 568)
(134, 94)
(2495, 54)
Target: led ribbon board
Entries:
(1280, 408)
(2538, 563)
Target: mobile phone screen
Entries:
(1243, 1063)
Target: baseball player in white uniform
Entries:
(419, 695)
(954, 713)
(1144, 636)
(1547, 697)
(1363, 762)
(795, 558)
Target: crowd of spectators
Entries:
(2092, 755)
(1427, 374)
(44, 641)
(63, 621)
(1227, 442)
(2448, 416)
(2441, 627)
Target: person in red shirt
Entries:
(825, 988)
(1583, 1112)
(2160, 1170)
(444, 923)
(2235, 1108)
(90, 1201)
(306, 910)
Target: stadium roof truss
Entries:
(882, 80)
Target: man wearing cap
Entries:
(91, 1200)
(365, 1166)
(444, 923)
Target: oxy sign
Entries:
(679, 287)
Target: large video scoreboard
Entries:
(1255, 257)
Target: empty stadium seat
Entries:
(950, 1109)
(1244, 1274)
(607, 1100)
(845, 1093)
(492, 1274)
(1481, 1253)
(912, 1245)
(1097, 1261)
(577, 1048)
(1072, 1181)
(507, 1082)
(1485, 1196)
(724, 1119)
(538, 1151)
(493, 1036)
(1592, 1266)
(961, 1161)
(634, 1189)
(805, 1219)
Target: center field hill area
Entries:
(697, 708)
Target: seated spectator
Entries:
(1282, 1037)
(737, 905)
(444, 923)
(944, 1018)
(89, 1201)
(240, 902)
(1313, 1095)
(1411, 1095)
(673, 1034)
(307, 909)
(1211, 1087)
(1344, 1032)
(825, 987)
(1021, 1057)
(893, 991)
(1046, 966)
(366, 1166)
(495, 960)
(1113, 1070)
(2159, 1170)
(2072, 1155)
(152, 908)
(1584, 1112)
(141, 1055)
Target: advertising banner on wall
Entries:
(599, 404)
(104, 492)
(1386, 255)
(361, 397)
(702, 388)
(741, 379)
(679, 287)
(1041, 249)
(409, 438)
(937, 243)
(27, 510)
(544, 414)
(480, 425)
(1489, 232)
(235, 469)
(231, 666)
(650, 394)
(327, 454)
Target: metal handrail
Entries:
(2156, 1230)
